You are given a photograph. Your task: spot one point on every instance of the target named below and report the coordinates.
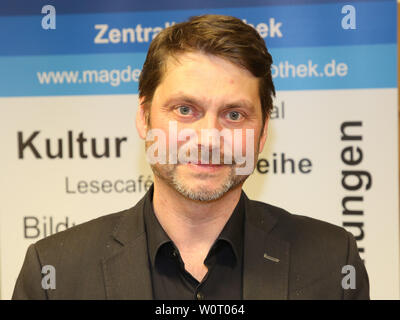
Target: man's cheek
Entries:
(244, 144)
(156, 146)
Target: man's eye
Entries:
(234, 115)
(184, 110)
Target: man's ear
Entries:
(263, 136)
(141, 119)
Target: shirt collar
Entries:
(156, 236)
(232, 232)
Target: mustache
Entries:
(201, 154)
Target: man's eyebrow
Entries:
(183, 98)
(241, 103)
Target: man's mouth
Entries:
(209, 167)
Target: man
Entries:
(195, 234)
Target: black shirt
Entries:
(224, 261)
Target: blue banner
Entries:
(281, 27)
(102, 53)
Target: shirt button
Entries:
(174, 253)
(200, 296)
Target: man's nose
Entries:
(208, 121)
(209, 124)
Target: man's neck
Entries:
(190, 224)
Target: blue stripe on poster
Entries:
(349, 67)
(280, 26)
(31, 7)
(70, 74)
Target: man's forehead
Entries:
(184, 71)
(192, 59)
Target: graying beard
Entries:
(203, 195)
(171, 180)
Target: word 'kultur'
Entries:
(70, 146)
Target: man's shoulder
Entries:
(78, 254)
(319, 251)
(94, 233)
(297, 228)
(316, 247)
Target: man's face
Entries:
(199, 92)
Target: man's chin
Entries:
(201, 194)
(198, 186)
(205, 190)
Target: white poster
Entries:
(71, 153)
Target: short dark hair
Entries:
(223, 36)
